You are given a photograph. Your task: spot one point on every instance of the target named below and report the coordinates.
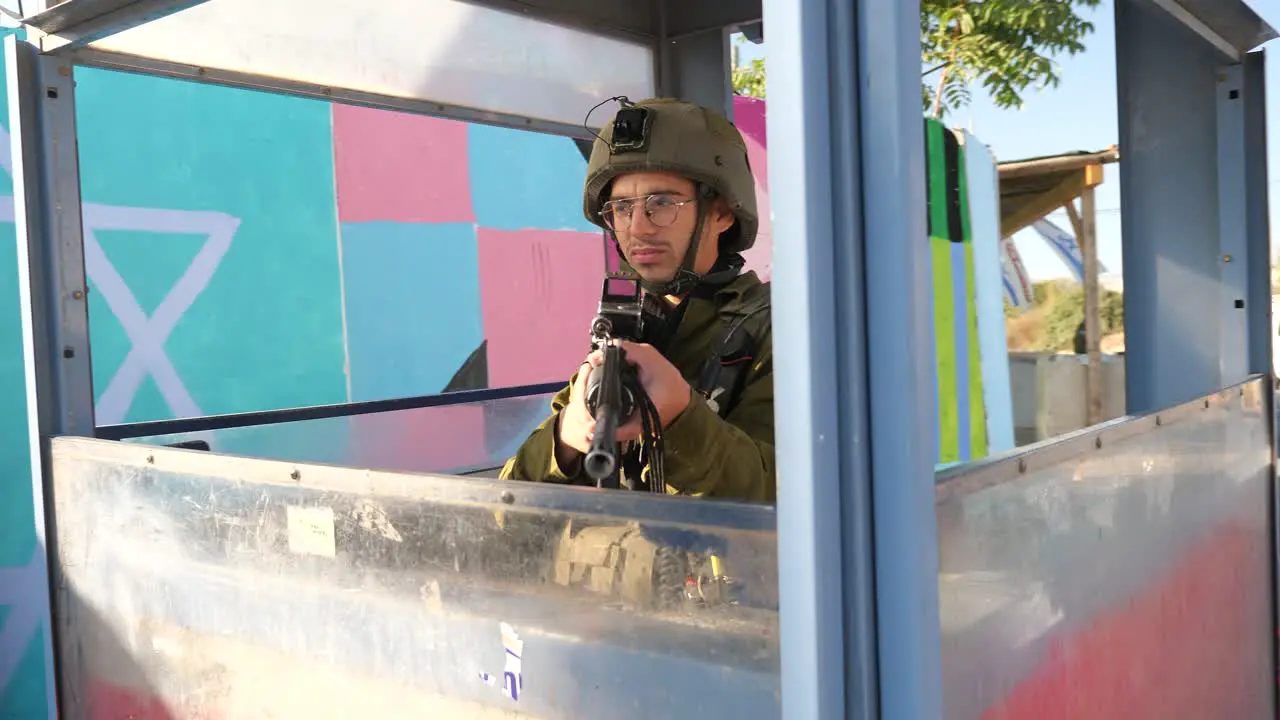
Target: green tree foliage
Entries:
(1111, 311)
(1003, 46)
(749, 79)
(1064, 311)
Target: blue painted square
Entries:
(524, 180)
(413, 305)
(26, 694)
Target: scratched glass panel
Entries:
(206, 585)
(1124, 572)
(449, 439)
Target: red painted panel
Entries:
(1186, 647)
(114, 702)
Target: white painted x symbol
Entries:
(147, 335)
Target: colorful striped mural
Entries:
(962, 420)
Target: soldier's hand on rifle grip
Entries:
(575, 426)
(662, 381)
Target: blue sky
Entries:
(1081, 114)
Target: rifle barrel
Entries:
(605, 384)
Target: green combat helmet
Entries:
(664, 135)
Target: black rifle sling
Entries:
(723, 376)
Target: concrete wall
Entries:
(1049, 396)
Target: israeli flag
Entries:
(1017, 286)
(1064, 244)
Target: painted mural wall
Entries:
(248, 251)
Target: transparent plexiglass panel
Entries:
(203, 585)
(441, 51)
(1121, 572)
(449, 439)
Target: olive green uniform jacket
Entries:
(704, 454)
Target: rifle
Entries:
(614, 392)
(611, 403)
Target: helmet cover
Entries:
(677, 137)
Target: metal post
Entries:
(697, 68)
(1258, 308)
(1257, 217)
(1233, 354)
(859, 346)
(1167, 83)
(900, 353)
(51, 280)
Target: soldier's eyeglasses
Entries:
(660, 209)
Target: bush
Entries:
(1063, 307)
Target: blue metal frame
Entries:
(695, 66)
(1167, 81)
(853, 315)
(72, 24)
(51, 280)
(900, 352)
(1257, 214)
(317, 412)
(1193, 182)
(824, 507)
(1257, 209)
(1233, 304)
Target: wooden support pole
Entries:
(1086, 237)
(1076, 226)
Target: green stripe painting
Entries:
(962, 431)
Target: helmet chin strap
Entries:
(686, 279)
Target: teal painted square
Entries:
(413, 305)
(27, 695)
(17, 509)
(6, 181)
(525, 180)
(267, 331)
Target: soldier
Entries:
(670, 183)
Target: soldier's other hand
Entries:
(663, 382)
(576, 424)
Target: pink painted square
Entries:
(437, 439)
(760, 257)
(452, 436)
(538, 292)
(397, 167)
(749, 117)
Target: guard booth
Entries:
(1123, 571)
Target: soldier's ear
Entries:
(720, 218)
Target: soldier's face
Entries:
(653, 215)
